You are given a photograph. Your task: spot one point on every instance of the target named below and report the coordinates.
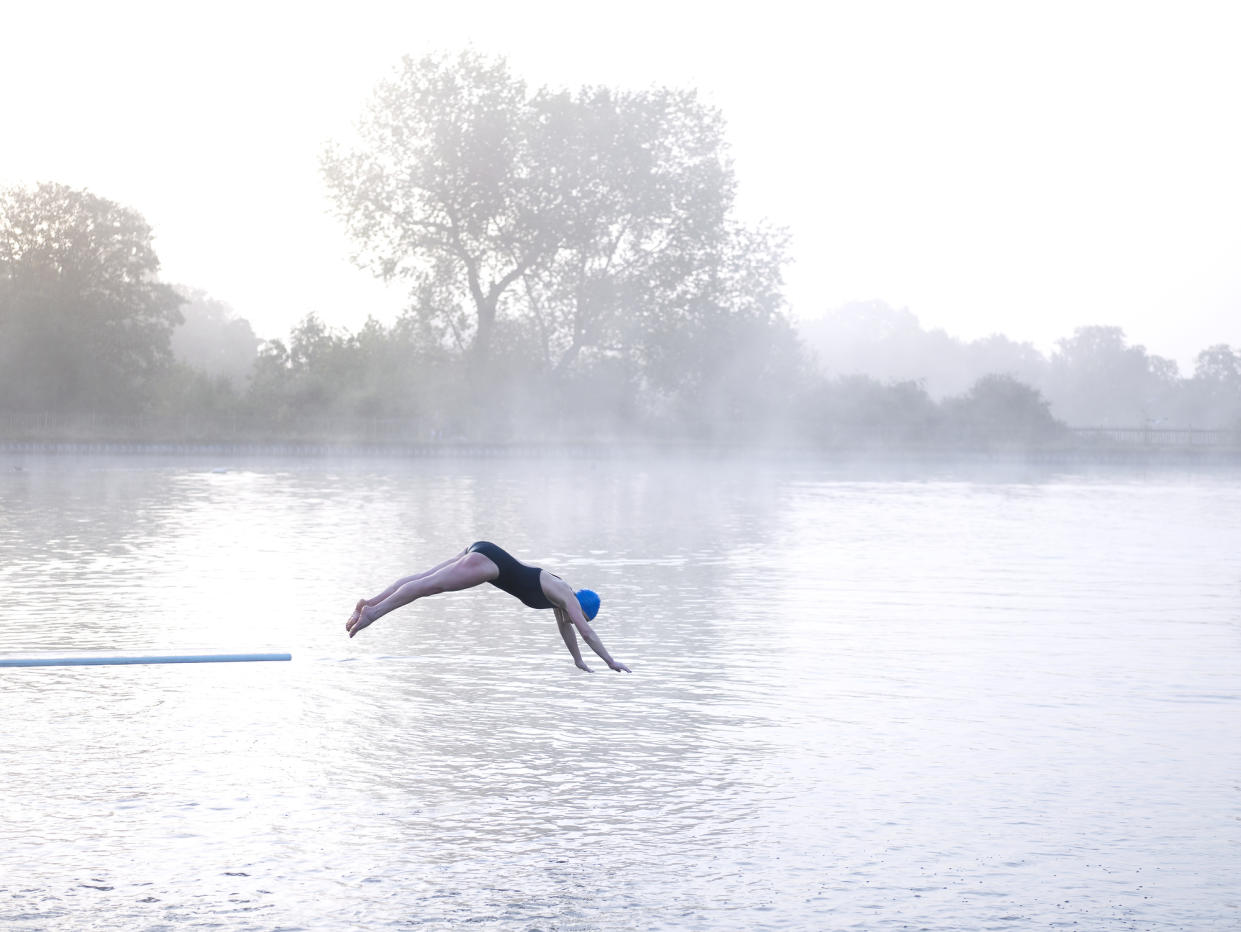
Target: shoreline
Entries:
(1078, 454)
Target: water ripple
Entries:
(856, 705)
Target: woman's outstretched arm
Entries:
(570, 638)
(566, 605)
(589, 636)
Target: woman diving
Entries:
(483, 562)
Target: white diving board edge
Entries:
(105, 660)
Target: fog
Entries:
(576, 269)
(990, 168)
(926, 626)
(213, 340)
(1095, 376)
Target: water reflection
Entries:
(946, 704)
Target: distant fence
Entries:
(423, 437)
(146, 428)
(1157, 436)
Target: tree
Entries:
(1215, 389)
(433, 194)
(321, 374)
(594, 221)
(643, 188)
(1098, 380)
(213, 339)
(889, 344)
(1219, 364)
(723, 349)
(311, 376)
(997, 354)
(857, 409)
(84, 322)
(998, 407)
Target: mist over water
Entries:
(949, 701)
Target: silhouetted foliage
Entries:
(1104, 381)
(1093, 379)
(858, 408)
(586, 230)
(377, 373)
(676, 329)
(212, 339)
(204, 403)
(84, 322)
(999, 408)
(1214, 393)
(888, 344)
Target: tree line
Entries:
(575, 270)
(1093, 377)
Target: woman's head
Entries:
(589, 600)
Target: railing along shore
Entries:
(403, 437)
(1159, 436)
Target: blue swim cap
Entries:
(589, 601)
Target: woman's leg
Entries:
(463, 572)
(375, 600)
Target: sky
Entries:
(994, 167)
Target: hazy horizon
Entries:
(994, 171)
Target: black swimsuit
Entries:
(516, 578)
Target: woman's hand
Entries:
(618, 666)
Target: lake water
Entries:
(927, 701)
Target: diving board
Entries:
(107, 660)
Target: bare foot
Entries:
(362, 616)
